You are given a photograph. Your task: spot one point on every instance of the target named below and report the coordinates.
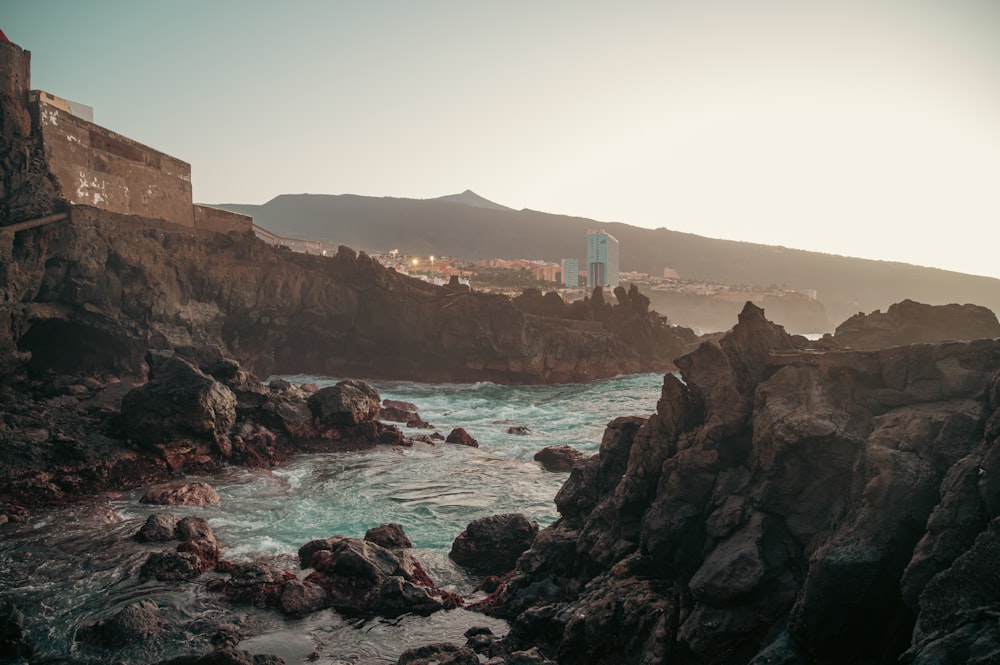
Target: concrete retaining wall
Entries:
(220, 221)
(97, 167)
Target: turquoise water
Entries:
(80, 564)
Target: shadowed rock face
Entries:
(910, 322)
(94, 294)
(781, 506)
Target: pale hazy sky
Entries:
(861, 127)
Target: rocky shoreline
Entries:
(782, 506)
(785, 504)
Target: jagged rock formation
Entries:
(27, 190)
(93, 294)
(72, 439)
(629, 319)
(910, 322)
(782, 506)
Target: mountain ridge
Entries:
(846, 285)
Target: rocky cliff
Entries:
(94, 293)
(782, 506)
(910, 322)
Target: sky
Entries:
(866, 128)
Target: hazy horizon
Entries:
(865, 129)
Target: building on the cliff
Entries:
(93, 166)
(547, 272)
(602, 259)
(570, 273)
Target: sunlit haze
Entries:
(867, 128)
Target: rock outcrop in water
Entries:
(491, 545)
(68, 439)
(358, 578)
(782, 506)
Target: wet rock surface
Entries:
(135, 623)
(782, 505)
(358, 578)
(389, 535)
(69, 438)
(559, 458)
(491, 545)
(460, 437)
(402, 412)
(346, 403)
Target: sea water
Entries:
(74, 565)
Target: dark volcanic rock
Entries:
(181, 403)
(259, 584)
(559, 458)
(460, 437)
(491, 545)
(346, 403)
(356, 577)
(782, 505)
(402, 412)
(135, 623)
(298, 598)
(158, 528)
(182, 494)
(441, 653)
(389, 535)
(172, 566)
(910, 322)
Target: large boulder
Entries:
(559, 458)
(355, 577)
(491, 545)
(460, 437)
(298, 598)
(158, 528)
(402, 412)
(390, 535)
(180, 403)
(259, 584)
(135, 623)
(362, 578)
(172, 566)
(347, 403)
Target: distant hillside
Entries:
(450, 226)
(470, 198)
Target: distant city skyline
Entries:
(867, 128)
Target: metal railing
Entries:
(32, 223)
(301, 245)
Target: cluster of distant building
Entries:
(602, 263)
